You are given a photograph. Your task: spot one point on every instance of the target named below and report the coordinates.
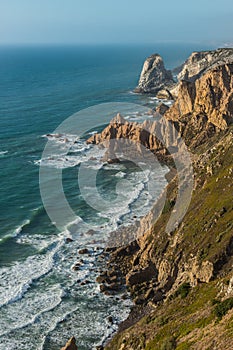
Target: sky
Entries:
(115, 21)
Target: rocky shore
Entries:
(181, 281)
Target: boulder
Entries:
(83, 251)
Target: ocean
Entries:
(44, 300)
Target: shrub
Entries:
(169, 344)
(223, 307)
(215, 302)
(183, 290)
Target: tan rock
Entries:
(201, 273)
(210, 98)
(165, 269)
(70, 345)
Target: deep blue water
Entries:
(39, 88)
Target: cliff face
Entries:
(204, 106)
(154, 76)
(182, 281)
(199, 62)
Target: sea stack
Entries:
(154, 76)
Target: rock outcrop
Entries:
(70, 345)
(200, 62)
(207, 101)
(154, 76)
(119, 128)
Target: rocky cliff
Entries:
(202, 108)
(157, 80)
(199, 62)
(154, 76)
(181, 281)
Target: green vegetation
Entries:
(184, 346)
(169, 344)
(183, 290)
(223, 307)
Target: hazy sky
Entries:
(115, 21)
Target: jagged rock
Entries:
(210, 98)
(110, 319)
(133, 135)
(199, 62)
(76, 267)
(70, 345)
(165, 270)
(230, 288)
(154, 76)
(202, 273)
(149, 293)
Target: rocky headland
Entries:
(156, 79)
(181, 281)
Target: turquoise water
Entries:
(41, 303)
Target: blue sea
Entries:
(43, 301)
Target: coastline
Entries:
(48, 293)
(152, 281)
